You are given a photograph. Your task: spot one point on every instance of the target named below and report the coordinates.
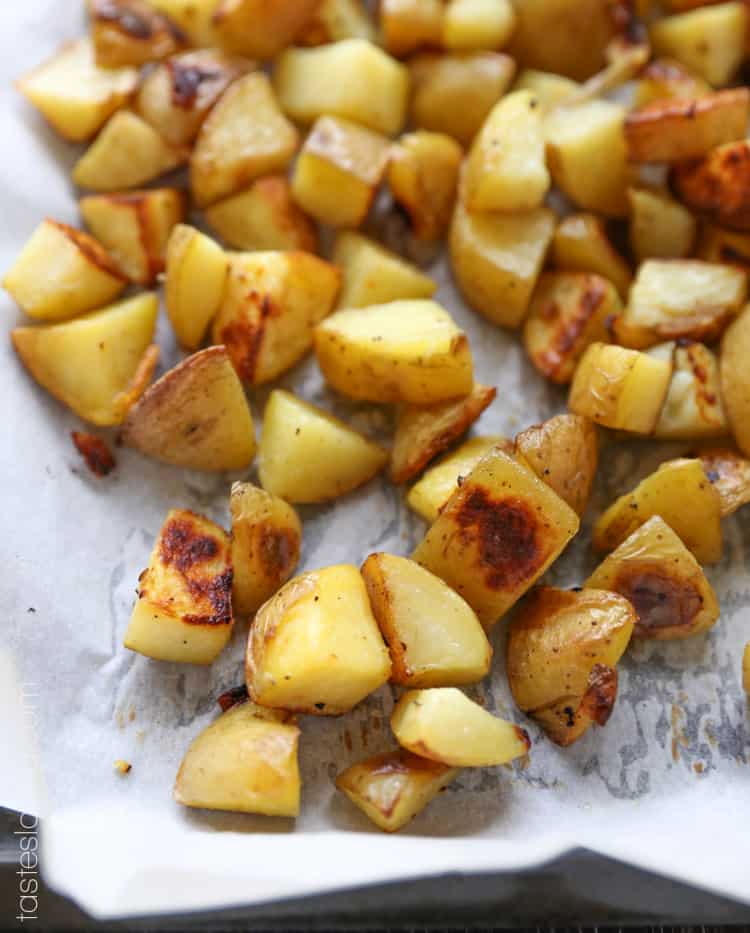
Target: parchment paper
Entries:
(664, 786)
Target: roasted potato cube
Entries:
(735, 378)
(74, 94)
(619, 388)
(135, 227)
(718, 185)
(97, 364)
(665, 493)
(549, 89)
(564, 452)
(266, 539)
(196, 416)
(194, 17)
(337, 459)
(664, 582)
(62, 272)
(434, 637)
(660, 227)
(184, 607)
(730, 475)
(581, 244)
(264, 217)
(404, 351)
(261, 28)
(443, 724)
(245, 136)
(497, 535)
(497, 258)
(131, 32)
(272, 302)
(561, 657)
(374, 275)
(195, 281)
(666, 79)
(454, 94)
(339, 171)
(392, 788)
(315, 646)
(245, 762)
(727, 246)
(408, 25)
(338, 19)
(424, 432)
(569, 311)
(475, 25)
(352, 79)
(693, 407)
(423, 178)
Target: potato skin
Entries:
(735, 378)
(718, 185)
(729, 473)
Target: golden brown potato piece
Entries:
(666, 79)
(718, 185)
(194, 17)
(746, 669)
(693, 407)
(338, 19)
(272, 302)
(564, 452)
(454, 94)
(569, 311)
(266, 539)
(730, 475)
(392, 788)
(131, 32)
(664, 582)
(424, 432)
(196, 277)
(561, 657)
(735, 378)
(408, 25)
(665, 493)
(184, 607)
(196, 416)
(497, 535)
(581, 244)
(474, 25)
(373, 275)
(261, 28)
(660, 227)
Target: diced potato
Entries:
(665, 493)
(62, 272)
(195, 17)
(443, 724)
(581, 244)
(619, 388)
(727, 246)
(664, 582)
(434, 637)
(735, 378)
(549, 89)
(263, 217)
(730, 475)
(454, 94)
(666, 79)
(374, 275)
(184, 607)
(135, 227)
(718, 185)
(408, 25)
(561, 656)
(337, 459)
(506, 169)
(245, 136)
(392, 788)
(339, 171)
(196, 416)
(272, 302)
(423, 178)
(660, 227)
(127, 153)
(404, 351)
(693, 407)
(94, 363)
(338, 19)
(569, 311)
(475, 25)
(131, 32)
(424, 432)
(266, 540)
(709, 41)
(497, 535)
(352, 79)
(74, 94)
(196, 277)
(315, 646)
(261, 28)
(564, 452)
(497, 258)
(245, 762)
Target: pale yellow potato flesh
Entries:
(195, 17)
(475, 25)
(735, 378)
(372, 274)
(693, 408)
(730, 475)
(261, 28)
(668, 79)
(581, 244)
(660, 227)
(338, 19)
(549, 89)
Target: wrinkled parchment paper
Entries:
(664, 786)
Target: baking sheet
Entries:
(664, 786)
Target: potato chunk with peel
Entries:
(444, 725)
(374, 275)
(244, 762)
(131, 32)
(434, 636)
(97, 364)
(337, 459)
(261, 28)
(62, 272)
(581, 244)
(561, 657)
(660, 227)
(497, 535)
(196, 416)
(184, 607)
(549, 89)
(730, 475)
(196, 277)
(392, 788)
(665, 493)
(315, 647)
(655, 571)
(693, 407)
(408, 25)
(404, 351)
(718, 185)
(735, 378)
(471, 25)
(666, 79)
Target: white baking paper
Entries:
(664, 786)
